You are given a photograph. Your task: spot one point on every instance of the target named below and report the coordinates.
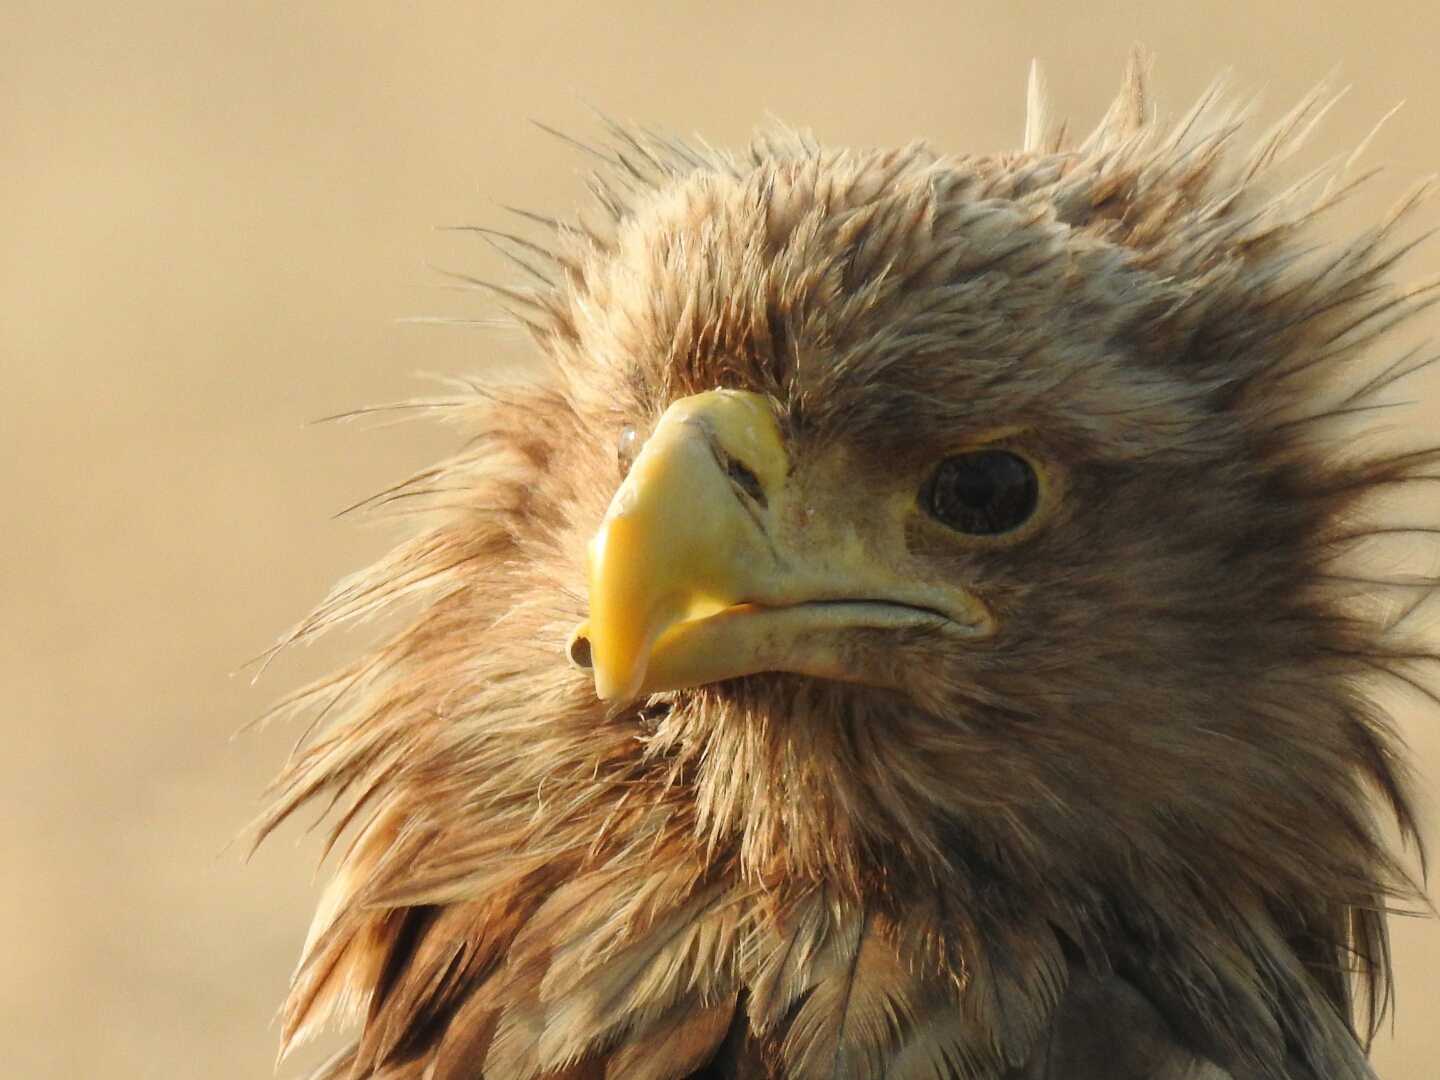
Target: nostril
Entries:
(578, 649)
(745, 479)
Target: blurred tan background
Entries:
(213, 217)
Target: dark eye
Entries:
(982, 492)
(626, 447)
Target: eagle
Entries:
(908, 624)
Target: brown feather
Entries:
(853, 1016)
(678, 1044)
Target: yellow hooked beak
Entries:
(710, 565)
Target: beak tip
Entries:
(614, 683)
(615, 690)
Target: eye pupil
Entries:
(983, 492)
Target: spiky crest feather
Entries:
(784, 878)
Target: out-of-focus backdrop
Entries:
(213, 218)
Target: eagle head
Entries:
(903, 620)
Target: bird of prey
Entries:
(907, 626)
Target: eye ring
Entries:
(985, 492)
